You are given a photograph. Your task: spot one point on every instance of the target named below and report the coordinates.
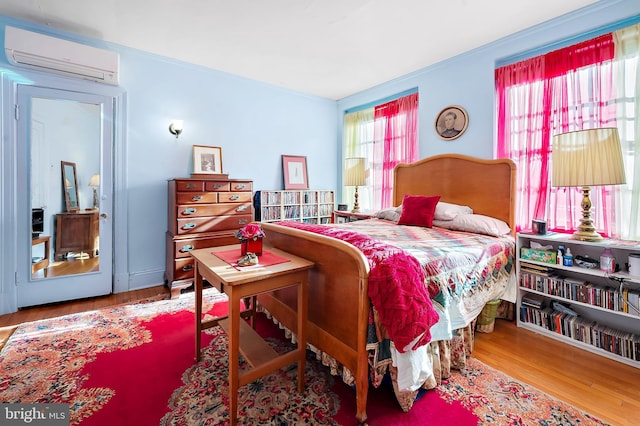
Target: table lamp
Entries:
(587, 158)
(355, 175)
(94, 182)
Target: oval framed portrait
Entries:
(451, 122)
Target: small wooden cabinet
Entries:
(77, 233)
(202, 213)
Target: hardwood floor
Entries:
(602, 387)
(71, 266)
(605, 388)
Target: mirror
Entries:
(65, 152)
(70, 186)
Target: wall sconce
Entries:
(175, 128)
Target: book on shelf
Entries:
(535, 269)
(533, 300)
(634, 301)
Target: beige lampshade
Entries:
(95, 181)
(354, 172)
(587, 158)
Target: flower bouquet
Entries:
(250, 237)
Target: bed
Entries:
(340, 312)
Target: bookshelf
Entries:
(584, 307)
(311, 206)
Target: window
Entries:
(588, 85)
(385, 135)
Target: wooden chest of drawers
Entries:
(202, 213)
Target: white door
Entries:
(64, 170)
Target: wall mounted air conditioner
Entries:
(45, 53)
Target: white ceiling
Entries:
(329, 48)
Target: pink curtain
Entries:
(564, 90)
(396, 141)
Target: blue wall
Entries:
(253, 122)
(256, 123)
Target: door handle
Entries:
(103, 215)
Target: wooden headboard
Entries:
(487, 186)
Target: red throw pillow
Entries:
(418, 210)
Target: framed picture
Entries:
(294, 168)
(207, 160)
(451, 122)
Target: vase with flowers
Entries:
(250, 237)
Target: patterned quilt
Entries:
(395, 286)
(463, 271)
(458, 265)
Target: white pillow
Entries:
(448, 211)
(480, 224)
(446, 224)
(392, 214)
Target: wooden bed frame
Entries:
(338, 300)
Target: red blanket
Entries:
(396, 285)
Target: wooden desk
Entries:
(46, 240)
(240, 284)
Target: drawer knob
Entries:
(217, 186)
(234, 197)
(243, 222)
(186, 248)
(188, 226)
(189, 211)
(240, 186)
(241, 208)
(197, 197)
(187, 268)
(190, 186)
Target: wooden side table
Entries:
(46, 240)
(342, 216)
(241, 284)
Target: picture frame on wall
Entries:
(207, 160)
(451, 122)
(294, 168)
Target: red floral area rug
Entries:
(134, 365)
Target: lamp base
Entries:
(587, 236)
(586, 231)
(356, 206)
(95, 198)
